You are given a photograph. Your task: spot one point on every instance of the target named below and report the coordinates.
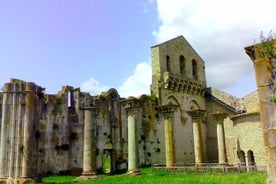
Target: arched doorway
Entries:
(107, 162)
(251, 160)
(242, 161)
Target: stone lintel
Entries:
(218, 117)
(167, 110)
(197, 114)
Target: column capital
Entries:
(132, 104)
(218, 117)
(94, 110)
(167, 110)
(197, 114)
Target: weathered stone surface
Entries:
(50, 129)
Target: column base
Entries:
(11, 180)
(87, 176)
(134, 172)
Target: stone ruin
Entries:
(180, 122)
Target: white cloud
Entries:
(93, 87)
(135, 85)
(138, 83)
(218, 30)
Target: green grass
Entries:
(162, 177)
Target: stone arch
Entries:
(193, 105)
(113, 93)
(109, 157)
(182, 64)
(168, 64)
(250, 159)
(242, 161)
(174, 100)
(194, 69)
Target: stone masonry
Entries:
(180, 122)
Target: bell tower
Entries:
(176, 69)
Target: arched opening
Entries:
(69, 99)
(168, 67)
(242, 162)
(193, 105)
(194, 69)
(182, 64)
(107, 161)
(250, 160)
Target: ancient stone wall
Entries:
(21, 110)
(251, 102)
(226, 98)
(244, 133)
(72, 131)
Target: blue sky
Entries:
(102, 44)
(55, 43)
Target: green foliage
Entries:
(273, 99)
(267, 45)
(59, 179)
(163, 177)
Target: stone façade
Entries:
(45, 133)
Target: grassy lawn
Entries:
(162, 177)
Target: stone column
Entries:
(4, 130)
(218, 118)
(168, 113)
(197, 116)
(18, 155)
(265, 72)
(14, 118)
(25, 147)
(89, 145)
(132, 109)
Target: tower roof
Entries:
(171, 40)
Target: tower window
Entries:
(182, 64)
(168, 67)
(195, 72)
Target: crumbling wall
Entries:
(21, 111)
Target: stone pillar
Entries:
(263, 57)
(4, 130)
(132, 109)
(266, 88)
(264, 60)
(25, 148)
(197, 116)
(14, 117)
(218, 118)
(168, 113)
(18, 155)
(89, 145)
